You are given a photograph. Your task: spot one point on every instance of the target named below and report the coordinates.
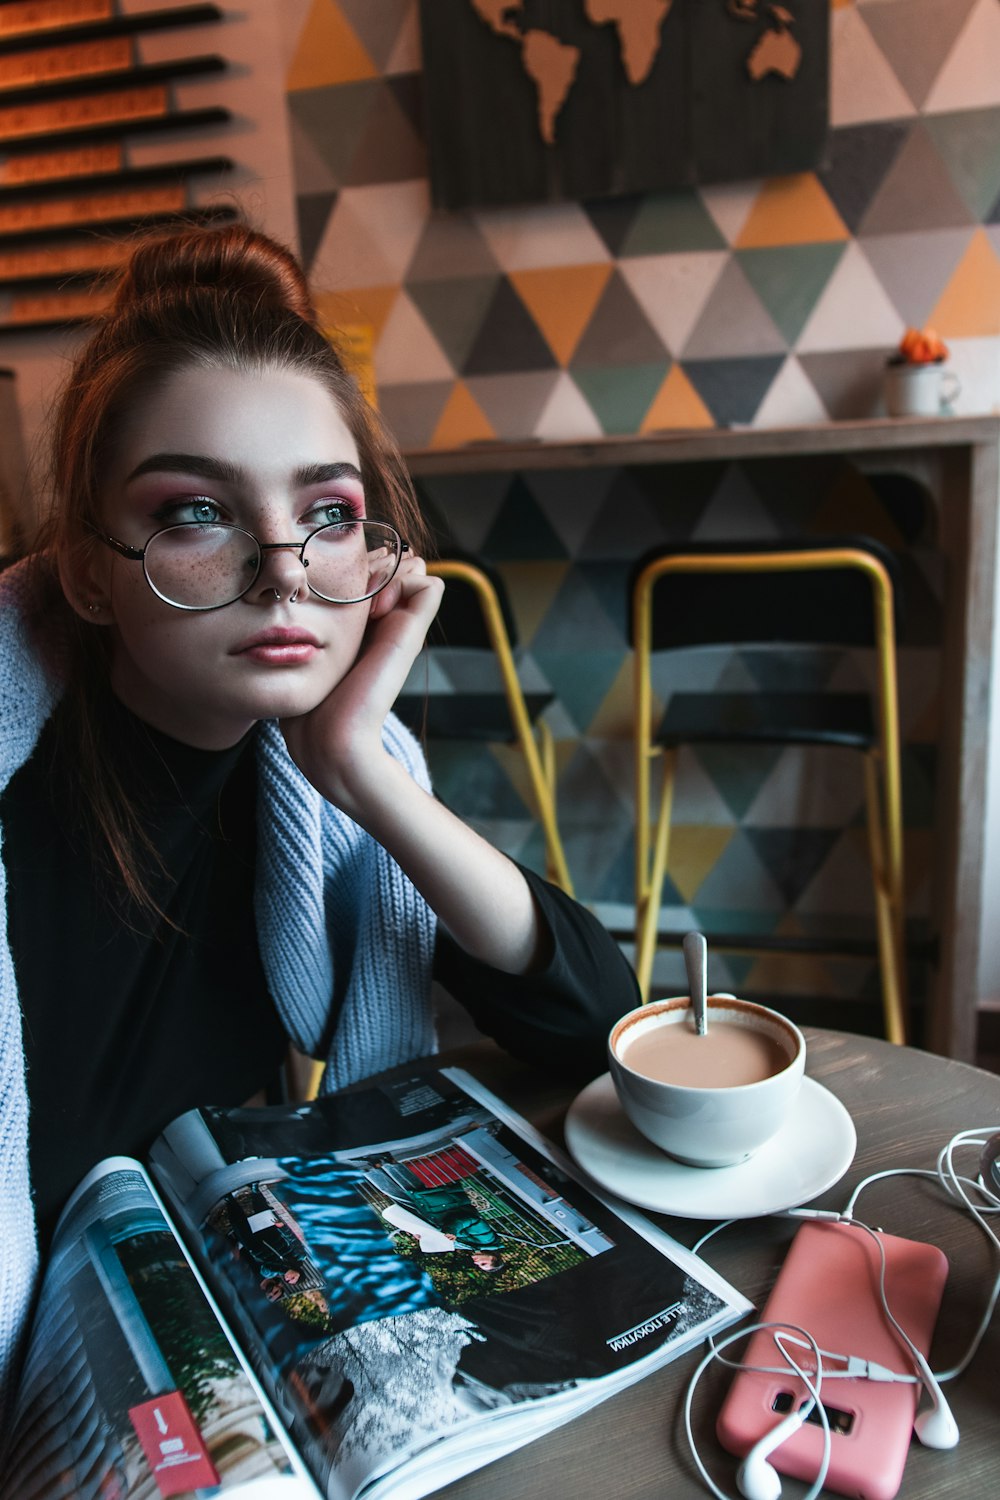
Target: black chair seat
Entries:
(465, 716)
(843, 719)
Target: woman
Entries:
(216, 837)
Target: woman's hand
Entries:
(338, 744)
(478, 894)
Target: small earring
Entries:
(94, 609)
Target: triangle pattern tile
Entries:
(792, 492)
(608, 577)
(671, 224)
(556, 234)
(625, 526)
(859, 156)
(810, 787)
(408, 345)
(698, 802)
(617, 760)
(311, 173)
(580, 681)
(462, 421)
(977, 365)
(376, 26)
(472, 782)
(854, 305)
(914, 36)
(407, 53)
(676, 405)
(613, 218)
(850, 382)
(450, 248)
(454, 310)
(514, 403)
(577, 621)
(462, 507)
(734, 512)
(678, 493)
(618, 879)
(572, 498)
(412, 411)
(842, 884)
(792, 399)
(408, 91)
(863, 86)
(621, 395)
(736, 678)
(614, 719)
(561, 300)
(583, 790)
(738, 883)
(790, 669)
(969, 306)
(327, 125)
(673, 290)
(694, 671)
(789, 279)
(733, 389)
(329, 51)
(508, 339)
(738, 771)
(312, 211)
(521, 530)
(969, 78)
(619, 332)
(695, 853)
(368, 305)
(391, 148)
(791, 856)
(917, 192)
(735, 321)
(915, 269)
(729, 205)
(566, 415)
(793, 210)
(969, 145)
(372, 234)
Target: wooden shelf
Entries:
(57, 187)
(703, 445)
(114, 80)
(115, 26)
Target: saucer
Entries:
(811, 1151)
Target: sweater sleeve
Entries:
(559, 1016)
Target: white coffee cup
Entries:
(720, 1121)
(927, 390)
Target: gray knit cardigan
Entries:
(346, 941)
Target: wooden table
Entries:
(906, 1105)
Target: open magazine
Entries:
(369, 1295)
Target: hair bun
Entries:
(231, 260)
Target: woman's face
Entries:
(266, 450)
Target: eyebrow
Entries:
(227, 473)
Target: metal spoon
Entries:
(696, 959)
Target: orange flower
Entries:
(920, 348)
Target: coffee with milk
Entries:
(727, 1056)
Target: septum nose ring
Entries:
(291, 598)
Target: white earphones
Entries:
(756, 1479)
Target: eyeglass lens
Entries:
(204, 567)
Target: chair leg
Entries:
(648, 901)
(887, 882)
(556, 867)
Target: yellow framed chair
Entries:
(838, 592)
(476, 615)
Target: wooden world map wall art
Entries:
(74, 100)
(540, 100)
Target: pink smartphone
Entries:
(828, 1285)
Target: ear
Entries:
(85, 577)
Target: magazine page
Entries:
(132, 1389)
(421, 1286)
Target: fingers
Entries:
(412, 587)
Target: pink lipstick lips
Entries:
(280, 648)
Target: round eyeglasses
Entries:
(195, 565)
